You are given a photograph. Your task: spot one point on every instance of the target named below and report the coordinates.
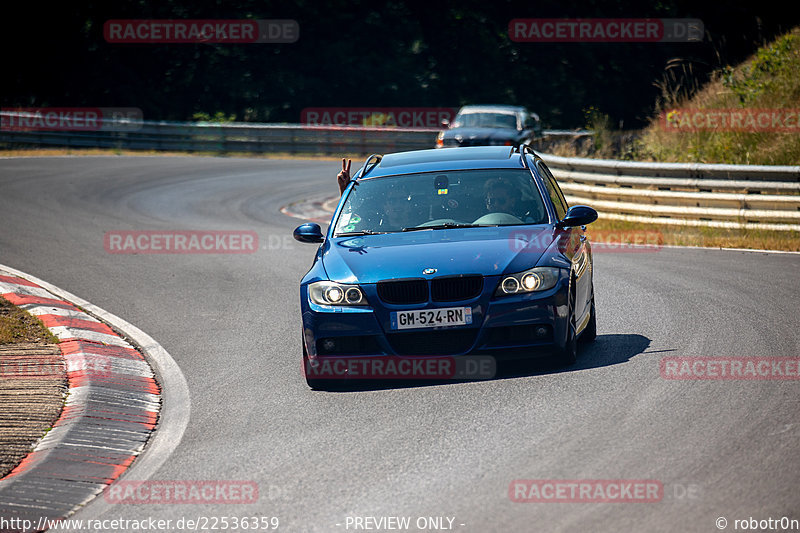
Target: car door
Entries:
(576, 248)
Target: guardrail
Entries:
(228, 137)
(232, 137)
(727, 196)
(675, 170)
(734, 196)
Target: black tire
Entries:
(590, 332)
(569, 354)
(317, 384)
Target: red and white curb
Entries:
(113, 406)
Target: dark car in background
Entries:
(490, 125)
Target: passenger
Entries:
(396, 209)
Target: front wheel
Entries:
(569, 354)
(590, 333)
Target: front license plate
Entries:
(431, 318)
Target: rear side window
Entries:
(553, 190)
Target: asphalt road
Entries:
(720, 448)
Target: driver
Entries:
(500, 197)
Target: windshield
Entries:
(486, 120)
(439, 200)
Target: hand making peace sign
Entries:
(343, 178)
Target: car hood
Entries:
(480, 133)
(486, 251)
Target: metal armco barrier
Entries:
(732, 196)
(675, 170)
(229, 137)
(233, 137)
(693, 194)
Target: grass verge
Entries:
(33, 384)
(18, 326)
(766, 82)
(621, 231)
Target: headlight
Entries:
(533, 280)
(330, 293)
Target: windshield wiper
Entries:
(362, 232)
(446, 225)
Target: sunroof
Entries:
(446, 154)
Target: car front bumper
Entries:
(508, 327)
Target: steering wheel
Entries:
(498, 218)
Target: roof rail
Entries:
(523, 148)
(366, 168)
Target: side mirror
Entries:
(445, 123)
(578, 215)
(308, 232)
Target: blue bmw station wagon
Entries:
(449, 252)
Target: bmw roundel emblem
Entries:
(429, 271)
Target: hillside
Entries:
(744, 127)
